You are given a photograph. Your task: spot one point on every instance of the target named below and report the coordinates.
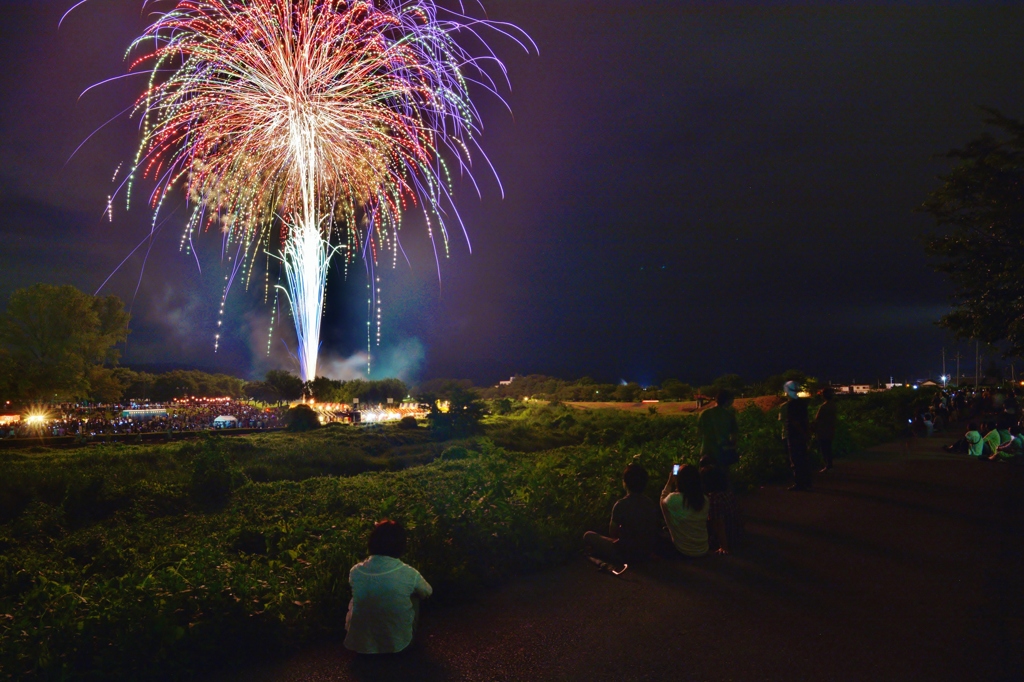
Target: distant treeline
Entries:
(281, 386)
(277, 386)
(586, 389)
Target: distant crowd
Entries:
(994, 430)
(74, 420)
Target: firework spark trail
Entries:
(307, 115)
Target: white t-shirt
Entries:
(688, 528)
(381, 614)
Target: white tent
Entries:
(226, 421)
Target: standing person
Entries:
(724, 522)
(825, 426)
(633, 529)
(794, 418)
(386, 594)
(718, 432)
(686, 511)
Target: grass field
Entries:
(680, 407)
(121, 562)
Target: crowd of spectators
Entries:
(77, 420)
(696, 513)
(994, 430)
(993, 416)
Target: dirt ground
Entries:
(901, 565)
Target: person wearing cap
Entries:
(797, 429)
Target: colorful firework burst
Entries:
(312, 125)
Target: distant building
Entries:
(506, 383)
(852, 389)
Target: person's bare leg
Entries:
(600, 547)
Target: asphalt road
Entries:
(897, 567)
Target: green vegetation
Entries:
(587, 390)
(977, 243)
(59, 343)
(326, 390)
(180, 384)
(131, 562)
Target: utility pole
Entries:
(958, 368)
(943, 365)
(977, 365)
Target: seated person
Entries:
(991, 441)
(686, 511)
(1014, 447)
(970, 444)
(1003, 427)
(724, 524)
(633, 528)
(386, 594)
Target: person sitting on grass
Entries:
(386, 594)
(686, 511)
(633, 528)
(724, 524)
(1011, 448)
(971, 444)
(991, 441)
(1003, 427)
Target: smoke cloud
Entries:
(402, 360)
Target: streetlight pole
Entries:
(977, 366)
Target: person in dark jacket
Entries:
(825, 426)
(794, 418)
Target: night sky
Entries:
(691, 189)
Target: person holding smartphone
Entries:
(686, 507)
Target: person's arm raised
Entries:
(670, 485)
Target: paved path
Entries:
(897, 567)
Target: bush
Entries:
(465, 411)
(210, 485)
(501, 407)
(408, 423)
(454, 452)
(301, 418)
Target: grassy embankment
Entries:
(155, 561)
